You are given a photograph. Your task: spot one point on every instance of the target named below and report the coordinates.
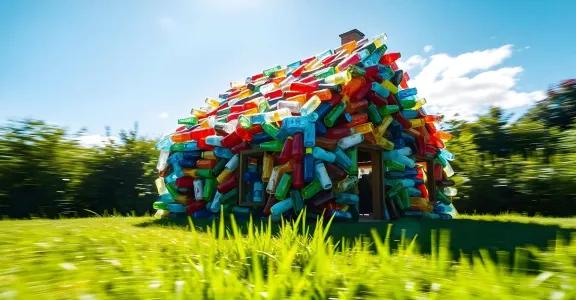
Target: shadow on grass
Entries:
(465, 236)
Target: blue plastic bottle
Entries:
(308, 166)
(324, 155)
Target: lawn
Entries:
(127, 257)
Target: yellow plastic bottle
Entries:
(267, 166)
(339, 78)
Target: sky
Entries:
(91, 64)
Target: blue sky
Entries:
(80, 63)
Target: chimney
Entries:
(352, 35)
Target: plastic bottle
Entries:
(342, 159)
(176, 208)
(322, 176)
(323, 94)
(352, 153)
(310, 105)
(380, 91)
(350, 141)
(162, 161)
(308, 165)
(273, 180)
(293, 106)
(388, 109)
(230, 167)
(267, 166)
(222, 152)
(310, 135)
(347, 198)
(209, 187)
(190, 121)
(258, 192)
(198, 189)
(281, 207)
(270, 129)
(311, 189)
(286, 153)
(228, 184)
(283, 186)
(346, 184)
(273, 146)
(322, 154)
(334, 114)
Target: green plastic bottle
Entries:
(209, 188)
(374, 115)
(190, 121)
(334, 114)
(353, 154)
(283, 186)
(311, 189)
(270, 129)
(273, 146)
(389, 109)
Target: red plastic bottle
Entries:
(185, 182)
(361, 92)
(236, 108)
(302, 87)
(194, 206)
(357, 119)
(389, 58)
(231, 140)
(228, 184)
(298, 146)
(286, 153)
(203, 146)
(376, 99)
(297, 173)
(338, 133)
(274, 94)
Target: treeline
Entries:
(526, 166)
(45, 171)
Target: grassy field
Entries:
(504, 257)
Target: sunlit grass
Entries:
(114, 258)
(518, 218)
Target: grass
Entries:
(128, 257)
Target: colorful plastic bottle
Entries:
(346, 184)
(310, 105)
(350, 141)
(272, 146)
(324, 155)
(281, 207)
(258, 192)
(334, 114)
(342, 159)
(273, 180)
(308, 165)
(286, 153)
(353, 154)
(311, 189)
(283, 186)
(322, 176)
(347, 198)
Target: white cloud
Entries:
(465, 85)
(412, 62)
(428, 48)
(166, 23)
(96, 140)
(163, 115)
